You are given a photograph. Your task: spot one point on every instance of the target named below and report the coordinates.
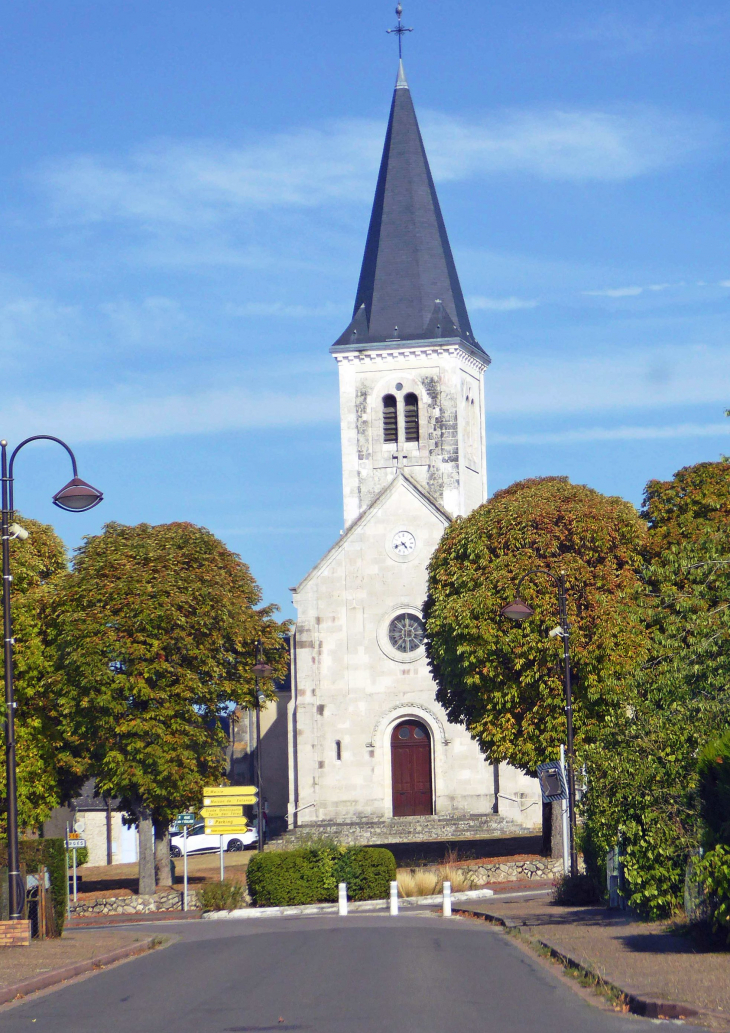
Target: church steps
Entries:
(427, 828)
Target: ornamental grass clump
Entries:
(222, 896)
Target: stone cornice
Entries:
(389, 351)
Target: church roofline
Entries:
(400, 478)
(473, 348)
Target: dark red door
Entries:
(410, 751)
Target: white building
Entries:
(367, 739)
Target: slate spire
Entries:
(409, 289)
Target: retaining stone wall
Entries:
(133, 905)
(515, 871)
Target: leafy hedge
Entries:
(312, 875)
(51, 853)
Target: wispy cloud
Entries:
(287, 311)
(478, 303)
(205, 182)
(628, 34)
(128, 414)
(585, 434)
(629, 292)
(624, 379)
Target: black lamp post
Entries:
(518, 610)
(261, 670)
(76, 497)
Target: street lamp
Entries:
(77, 496)
(261, 670)
(518, 610)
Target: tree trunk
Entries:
(163, 861)
(146, 852)
(552, 830)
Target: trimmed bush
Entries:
(221, 896)
(713, 769)
(312, 875)
(51, 853)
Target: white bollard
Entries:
(447, 899)
(394, 898)
(342, 900)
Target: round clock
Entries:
(403, 543)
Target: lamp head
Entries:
(517, 610)
(77, 496)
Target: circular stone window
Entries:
(405, 633)
(401, 633)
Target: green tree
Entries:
(155, 632)
(44, 780)
(694, 501)
(643, 770)
(504, 680)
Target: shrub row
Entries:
(51, 854)
(311, 875)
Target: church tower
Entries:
(370, 748)
(411, 395)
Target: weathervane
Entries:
(399, 30)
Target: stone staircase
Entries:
(422, 829)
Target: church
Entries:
(367, 741)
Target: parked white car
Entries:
(200, 841)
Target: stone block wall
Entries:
(514, 871)
(171, 900)
(15, 934)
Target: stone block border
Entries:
(133, 905)
(61, 975)
(352, 905)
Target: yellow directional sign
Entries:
(227, 811)
(217, 796)
(225, 826)
(229, 790)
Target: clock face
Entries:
(403, 543)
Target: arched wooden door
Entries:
(410, 752)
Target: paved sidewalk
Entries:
(75, 948)
(640, 958)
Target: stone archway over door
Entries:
(410, 751)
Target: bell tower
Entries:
(411, 391)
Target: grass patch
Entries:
(222, 896)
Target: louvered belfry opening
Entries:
(390, 420)
(410, 404)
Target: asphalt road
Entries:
(361, 974)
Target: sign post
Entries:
(74, 842)
(185, 867)
(185, 818)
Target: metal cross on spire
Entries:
(399, 30)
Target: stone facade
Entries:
(351, 687)
(448, 459)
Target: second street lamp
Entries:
(261, 670)
(518, 610)
(77, 496)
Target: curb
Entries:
(645, 1007)
(333, 909)
(96, 921)
(61, 975)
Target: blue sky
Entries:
(185, 195)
